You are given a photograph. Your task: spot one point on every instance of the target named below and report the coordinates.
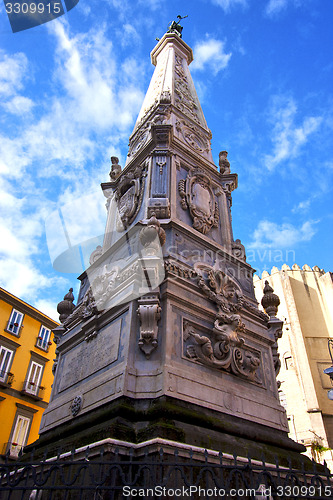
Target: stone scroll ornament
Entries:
(128, 195)
(222, 348)
(152, 237)
(198, 197)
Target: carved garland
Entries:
(197, 195)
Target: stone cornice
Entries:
(170, 38)
(25, 308)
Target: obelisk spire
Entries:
(172, 99)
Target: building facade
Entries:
(26, 354)
(306, 297)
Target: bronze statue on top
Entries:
(175, 26)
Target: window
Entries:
(289, 362)
(34, 378)
(43, 339)
(5, 361)
(15, 322)
(20, 435)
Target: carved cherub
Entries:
(115, 168)
(224, 162)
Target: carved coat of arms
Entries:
(129, 194)
(197, 195)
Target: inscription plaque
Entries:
(89, 357)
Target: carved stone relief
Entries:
(178, 270)
(76, 405)
(195, 139)
(223, 348)
(229, 186)
(160, 207)
(99, 292)
(128, 195)
(95, 255)
(152, 236)
(138, 140)
(197, 195)
(183, 97)
(159, 113)
(162, 113)
(220, 288)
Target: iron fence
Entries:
(112, 475)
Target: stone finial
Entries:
(270, 301)
(66, 306)
(115, 168)
(224, 162)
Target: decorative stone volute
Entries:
(149, 312)
(270, 301)
(66, 306)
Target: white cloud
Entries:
(288, 137)
(302, 206)
(48, 307)
(91, 84)
(13, 70)
(228, 4)
(19, 105)
(90, 97)
(271, 235)
(275, 6)
(210, 54)
(92, 102)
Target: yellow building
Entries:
(26, 358)
(306, 307)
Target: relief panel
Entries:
(87, 358)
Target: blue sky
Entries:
(70, 91)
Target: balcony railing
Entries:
(6, 378)
(14, 328)
(12, 449)
(32, 389)
(43, 344)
